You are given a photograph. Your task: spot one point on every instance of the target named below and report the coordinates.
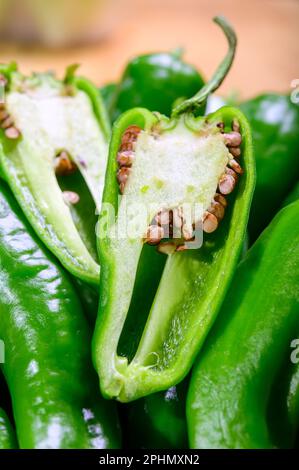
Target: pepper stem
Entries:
(197, 100)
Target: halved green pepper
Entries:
(52, 134)
(231, 384)
(177, 161)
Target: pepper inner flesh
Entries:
(55, 133)
(180, 168)
(167, 170)
(51, 120)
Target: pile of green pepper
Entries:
(188, 320)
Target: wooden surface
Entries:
(267, 56)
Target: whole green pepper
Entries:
(47, 354)
(7, 434)
(53, 152)
(154, 81)
(192, 280)
(274, 121)
(231, 384)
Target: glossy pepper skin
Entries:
(231, 383)
(7, 433)
(209, 269)
(28, 166)
(274, 121)
(47, 365)
(155, 81)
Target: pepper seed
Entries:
(235, 166)
(232, 139)
(154, 235)
(221, 199)
(210, 222)
(125, 158)
(70, 197)
(236, 125)
(3, 114)
(217, 209)
(12, 133)
(235, 151)
(64, 165)
(226, 184)
(8, 122)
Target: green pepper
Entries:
(231, 384)
(158, 421)
(154, 81)
(47, 346)
(162, 150)
(274, 121)
(7, 434)
(53, 151)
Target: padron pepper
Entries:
(53, 152)
(7, 433)
(166, 164)
(47, 346)
(228, 399)
(154, 81)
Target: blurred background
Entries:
(102, 35)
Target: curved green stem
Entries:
(197, 100)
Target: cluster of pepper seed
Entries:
(64, 166)
(172, 223)
(125, 155)
(233, 141)
(228, 180)
(6, 121)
